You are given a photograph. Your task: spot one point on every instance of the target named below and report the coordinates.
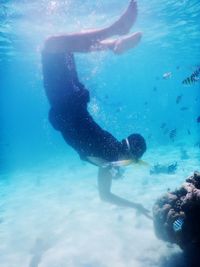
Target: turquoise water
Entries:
(50, 211)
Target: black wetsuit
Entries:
(68, 99)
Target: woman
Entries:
(69, 98)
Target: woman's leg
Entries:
(84, 41)
(120, 45)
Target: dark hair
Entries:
(136, 145)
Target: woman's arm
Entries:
(104, 187)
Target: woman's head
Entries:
(136, 145)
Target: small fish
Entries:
(184, 108)
(167, 169)
(178, 224)
(178, 99)
(197, 144)
(172, 134)
(184, 154)
(163, 125)
(188, 131)
(119, 109)
(166, 131)
(193, 78)
(145, 103)
(155, 88)
(198, 119)
(167, 75)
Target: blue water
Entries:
(50, 211)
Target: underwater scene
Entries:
(100, 133)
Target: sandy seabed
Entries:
(53, 217)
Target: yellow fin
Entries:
(121, 163)
(141, 163)
(126, 162)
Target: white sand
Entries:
(53, 217)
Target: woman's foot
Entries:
(126, 21)
(126, 43)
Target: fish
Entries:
(163, 125)
(166, 131)
(178, 224)
(193, 78)
(119, 109)
(197, 144)
(167, 169)
(189, 132)
(178, 99)
(198, 119)
(167, 75)
(155, 88)
(172, 134)
(184, 154)
(184, 108)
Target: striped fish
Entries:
(172, 134)
(177, 225)
(192, 78)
